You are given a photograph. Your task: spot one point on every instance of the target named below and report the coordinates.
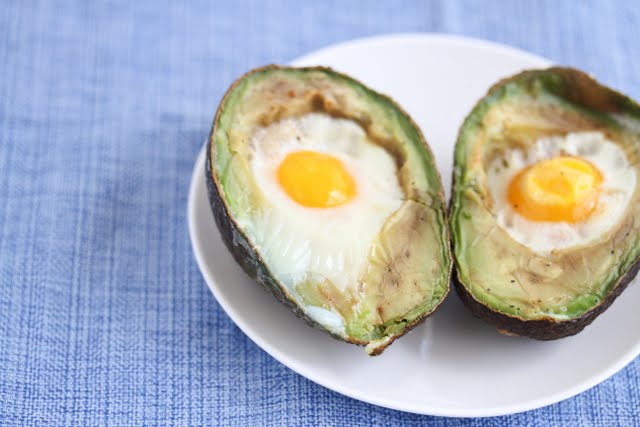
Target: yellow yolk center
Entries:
(316, 180)
(561, 189)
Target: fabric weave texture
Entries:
(104, 316)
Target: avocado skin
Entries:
(593, 94)
(543, 330)
(247, 256)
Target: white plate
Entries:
(453, 364)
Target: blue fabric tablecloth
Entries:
(104, 316)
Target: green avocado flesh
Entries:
(502, 274)
(406, 263)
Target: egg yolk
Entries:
(561, 189)
(316, 180)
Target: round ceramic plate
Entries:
(453, 364)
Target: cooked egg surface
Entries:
(316, 180)
(563, 191)
(327, 191)
(563, 188)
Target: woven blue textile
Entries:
(104, 316)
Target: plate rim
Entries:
(198, 178)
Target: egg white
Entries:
(619, 181)
(300, 243)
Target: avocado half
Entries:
(502, 281)
(409, 264)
